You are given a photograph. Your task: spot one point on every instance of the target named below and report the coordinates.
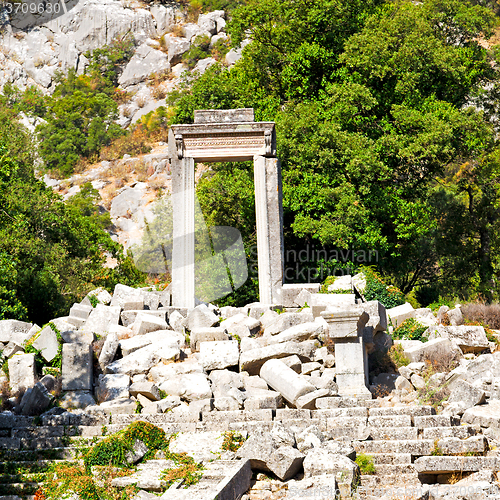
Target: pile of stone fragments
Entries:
(294, 379)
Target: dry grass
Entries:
(486, 314)
(136, 143)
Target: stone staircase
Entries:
(410, 445)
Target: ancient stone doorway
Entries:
(216, 136)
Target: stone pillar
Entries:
(183, 204)
(351, 361)
(269, 216)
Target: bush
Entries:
(410, 329)
(486, 314)
(199, 50)
(377, 289)
(365, 463)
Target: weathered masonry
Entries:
(226, 135)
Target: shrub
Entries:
(487, 315)
(410, 329)
(397, 356)
(377, 289)
(199, 50)
(365, 463)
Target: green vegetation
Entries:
(51, 252)
(377, 289)
(381, 148)
(365, 463)
(232, 441)
(107, 459)
(410, 329)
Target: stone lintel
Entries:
(215, 142)
(224, 115)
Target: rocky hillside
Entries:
(162, 35)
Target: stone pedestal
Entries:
(351, 357)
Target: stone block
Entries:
(76, 367)
(199, 335)
(308, 400)
(298, 333)
(101, 318)
(319, 461)
(284, 380)
(147, 389)
(265, 400)
(190, 386)
(46, 342)
(287, 320)
(201, 317)
(377, 313)
(468, 338)
(145, 323)
(443, 464)
(12, 330)
(128, 317)
(468, 394)
(219, 355)
(139, 361)
(398, 314)
(442, 350)
(112, 386)
(73, 400)
(293, 362)
(21, 371)
(456, 446)
(252, 360)
(35, 400)
(108, 350)
(487, 415)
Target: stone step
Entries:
(434, 421)
(340, 412)
(416, 447)
(390, 433)
(394, 469)
(390, 421)
(221, 479)
(391, 458)
(389, 481)
(346, 422)
(414, 411)
(18, 488)
(355, 433)
(443, 465)
(34, 466)
(461, 432)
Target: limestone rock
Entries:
(467, 394)
(219, 355)
(112, 386)
(108, 350)
(468, 338)
(21, 371)
(252, 360)
(145, 61)
(140, 361)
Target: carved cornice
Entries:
(225, 141)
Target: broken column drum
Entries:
(226, 135)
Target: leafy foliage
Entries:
(386, 131)
(410, 329)
(52, 252)
(365, 463)
(377, 289)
